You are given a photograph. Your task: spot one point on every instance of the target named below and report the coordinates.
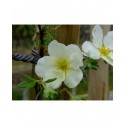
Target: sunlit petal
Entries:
(44, 64)
(56, 49)
(97, 34)
(54, 74)
(70, 49)
(108, 60)
(108, 40)
(75, 61)
(111, 54)
(90, 50)
(73, 78)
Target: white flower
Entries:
(63, 63)
(101, 47)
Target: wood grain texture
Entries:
(68, 34)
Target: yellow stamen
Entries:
(104, 51)
(63, 64)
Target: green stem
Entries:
(38, 93)
(66, 90)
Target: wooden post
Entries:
(99, 79)
(67, 34)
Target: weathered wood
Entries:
(99, 79)
(67, 34)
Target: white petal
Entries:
(90, 50)
(41, 67)
(56, 49)
(44, 64)
(73, 78)
(111, 54)
(72, 48)
(97, 34)
(108, 60)
(108, 40)
(54, 74)
(75, 61)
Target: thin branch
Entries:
(41, 34)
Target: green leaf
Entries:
(50, 94)
(28, 78)
(50, 80)
(26, 84)
(90, 64)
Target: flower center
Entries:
(63, 64)
(104, 51)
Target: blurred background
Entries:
(22, 36)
